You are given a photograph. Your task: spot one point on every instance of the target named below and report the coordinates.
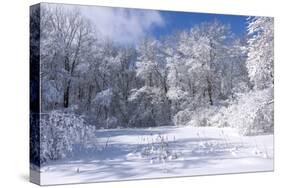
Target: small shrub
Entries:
(252, 113)
(60, 132)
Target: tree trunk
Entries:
(89, 97)
(66, 95)
(210, 92)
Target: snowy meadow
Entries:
(134, 94)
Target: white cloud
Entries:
(123, 25)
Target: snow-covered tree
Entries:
(66, 38)
(153, 82)
(151, 69)
(251, 111)
(260, 51)
(255, 107)
(201, 56)
(150, 66)
(235, 74)
(205, 68)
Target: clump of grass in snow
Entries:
(157, 149)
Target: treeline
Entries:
(173, 80)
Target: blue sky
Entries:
(124, 25)
(184, 20)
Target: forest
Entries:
(203, 76)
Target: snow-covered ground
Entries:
(124, 154)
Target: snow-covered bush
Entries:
(219, 119)
(200, 117)
(252, 112)
(182, 117)
(151, 107)
(203, 116)
(111, 122)
(60, 132)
